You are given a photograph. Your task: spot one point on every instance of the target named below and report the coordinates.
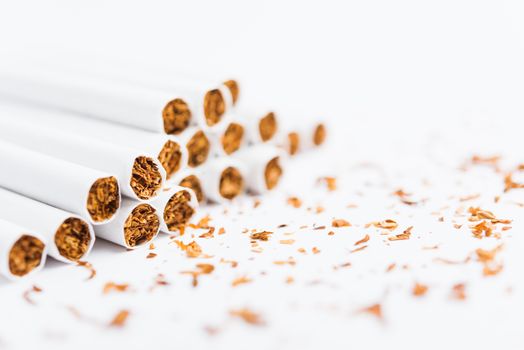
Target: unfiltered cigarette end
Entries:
(231, 183)
(267, 126)
(233, 88)
(193, 183)
(214, 107)
(319, 136)
(272, 173)
(294, 142)
(25, 255)
(72, 239)
(141, 226)
(176, 116)
(103, 199)
(170, 157)
(178, 210)
(232, 138)
(146, 179)
(198, 149)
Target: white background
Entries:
(411, 89)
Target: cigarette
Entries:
(22, 252)
(190, 178)
(69, 236)
(141, 175)
(171, 154)
(84, 191)
(117, 101)
(197, 144)
(261, 126)
(176, 206)
(264, 167)
(222, 179)
(228, 141)
(135, 225)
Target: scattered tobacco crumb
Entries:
(119, 320)
(340, 223)
(375, 310)
(88, 266)
(359, 249)
(419, 289)
(241, 280)
(193, 250)
(294, 202)
(331, 182)
(111, 286)
(403, 236)
(363, 240)
(151, 255)
(27, 294)
(202, 269)
(248, 316)
(458, 291)
(387, 224)
(287, 241)
(261, 236)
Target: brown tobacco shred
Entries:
(419, 289)
(146, 179)
(403, 236)
(241, 280)
(231, 183)
(25, 255)
(232, 262)
(88, 266)
(272, 173)
(221, 231)
(267, 127)
(119, 319)
(331, 182)
(27, 294)
(193, 183)
(72, 238)
(261, 236)
(151, 255)
(294, 143)
(214, 107)
(458, 291)
(287, 241)
(481, 160)
(482, 229)
(193, 250)
(202, 223)
(315, 250)
(115, 287)
(232, 138)
(359, 249)
(178, 210)
(170, 157)
(319, 135)
(248, 316)
(478, 214)
(141, 226)
(202, 269)
(198, 149)
(509, 184)
(363, 240)
(375, 310)
(387, 224)
(391, 267)
(294, 202)
(208, 234)
(176, 116)
(340, 223)
(103, 199)
(233, 87)
(285, 262)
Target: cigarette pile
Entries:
(87, 156)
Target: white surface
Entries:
(412, 88)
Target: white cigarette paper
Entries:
(84, 191)
(22, 251)
(189, 178)
(264, 167)
(135, 225)
(176, 206)
(168, 149)
(96, 97)
(223, 179)
(141, 175)
(228, 141)
(70, 238)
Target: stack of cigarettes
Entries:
(87, 156)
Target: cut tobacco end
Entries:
(146, 179)
(293, 142)
(231, 183)
(103, 199)
(25, 255)
(73, 238)
(214, 107)
(272, 173)
(193, 183)
(232, 138)
(170, 157)
(141, 226)
(178, 210)
(233, 88)
(267, 126)
(176, 115)
(319, 135)
(198, 149)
